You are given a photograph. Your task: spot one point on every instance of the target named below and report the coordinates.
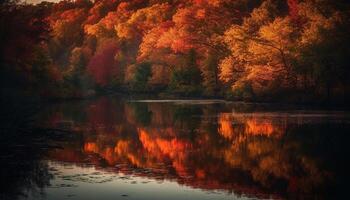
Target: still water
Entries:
(127, 149)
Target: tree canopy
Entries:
(240, 49)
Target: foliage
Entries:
(141, 77)
(250, 49)
(268, 51)
(210, 75)
(102, 66)
(186, 80)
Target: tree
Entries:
(247, 48)
(187, 79)
(323, 49)
(23, 59)
(99, 10)
(141, 21)
(141, 77)
(76, 74)
(210, 75)
(67, 33)
(261, 51)
(103, 67)
(272, 52)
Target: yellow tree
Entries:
(260, 51)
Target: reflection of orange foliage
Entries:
(91, 147)
(236, 154)
(148, 144)
(174, 148)
(109, 155)
(253, 125)
(121, 147)
(225, 126)
(121, 151)
(180, 168)
(200, 173)
(260, 127)
(265, 126)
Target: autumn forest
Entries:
(251, 50)
(174, 99)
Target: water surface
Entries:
(124, 149)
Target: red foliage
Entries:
(102, 66)
(22, 31)
(293, 10)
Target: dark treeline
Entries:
(254, 50)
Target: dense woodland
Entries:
(252, 50)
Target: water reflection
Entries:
(241, 149)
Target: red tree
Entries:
(102, 66)
(293, 10)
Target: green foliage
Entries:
(183, 116)
(244, 92)
(141, 77)
(40, 64)
(210, 75)
(187, 79)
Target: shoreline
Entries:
(148, 98)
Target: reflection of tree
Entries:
(295, 164)
(19, 178)
(141, 113)
(22, 145)
(231, 126)
(187, 116)
(255, 155)
(101, 117)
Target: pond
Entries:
(199, 149)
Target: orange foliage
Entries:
(99, 10)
